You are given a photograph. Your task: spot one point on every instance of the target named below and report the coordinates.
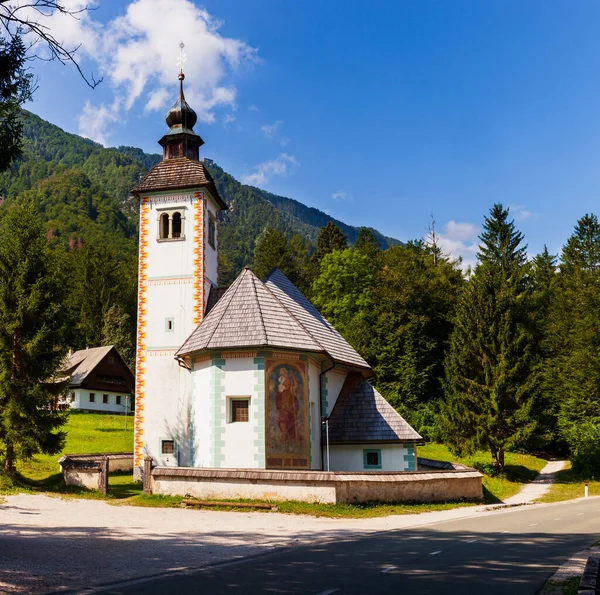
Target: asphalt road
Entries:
(513, 551)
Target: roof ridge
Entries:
(262, 320)
(216, 326)
(295, 318)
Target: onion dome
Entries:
(181, 114)
(181, 140)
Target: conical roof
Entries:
(361, 414)
(270, 314)
(312, 320)
(248, 315)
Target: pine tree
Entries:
(273, 250)
(32, 322)
(117, 331)
(15, 89)
(489, 380)
(543, 280)
(330, 238)
(573, 371)
(367, 243)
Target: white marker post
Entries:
(585, 490)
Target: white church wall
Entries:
(220, 442)
(335, 379)
(210, 256)
(171, 280)
(201, 411)
(350, 457)
(240, 381)
(166, 415)
(314, 371)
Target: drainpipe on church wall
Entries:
(324, 418)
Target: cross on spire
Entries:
(182, 57)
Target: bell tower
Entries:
(178, 247)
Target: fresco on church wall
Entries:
(287, 440)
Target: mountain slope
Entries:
(69, 170)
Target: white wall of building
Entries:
(170, 268)
(210, 255)
(335, 380)
(314, 393)
(350, 457)
(79, 398)
(219, 441)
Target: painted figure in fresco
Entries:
(288, 405)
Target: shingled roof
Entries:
(256, 314)
(361, 414)
(178, 173)
(311, 319)
(80, 363)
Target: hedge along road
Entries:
(512, 551)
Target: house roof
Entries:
(311, 319)
(178, 173)
(361, 414)
(271, 314)
(248, 315)
(80, 363)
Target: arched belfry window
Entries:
(176, 226)
(171, 224)
(164, 226)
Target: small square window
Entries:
(167, 447)
(239, 410)
(118, 399)
(105, 398)
(372, 459)
(111, 359)
(92, 397)
(169, 325)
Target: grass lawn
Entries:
(86, 433)
(568, 486)
(89, 433)
(519, 469)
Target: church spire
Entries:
(181, 140)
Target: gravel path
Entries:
(539, 486)
(50, 544)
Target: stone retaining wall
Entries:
(316, 486)
(91, 470)
(117, 461)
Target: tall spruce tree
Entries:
(273, 250)
(31, 331)
(573, 371)
(489, 380)
(330, 238)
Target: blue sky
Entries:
(379, 113)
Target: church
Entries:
(251, 377)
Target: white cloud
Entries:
(136, 53)
(272, 131)
(253, 108)
(519, 212)
(460, 240)
(340, 196)
(228, 119)
(460, 231)
(94, 120)
(264, 171)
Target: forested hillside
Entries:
(88, 180)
